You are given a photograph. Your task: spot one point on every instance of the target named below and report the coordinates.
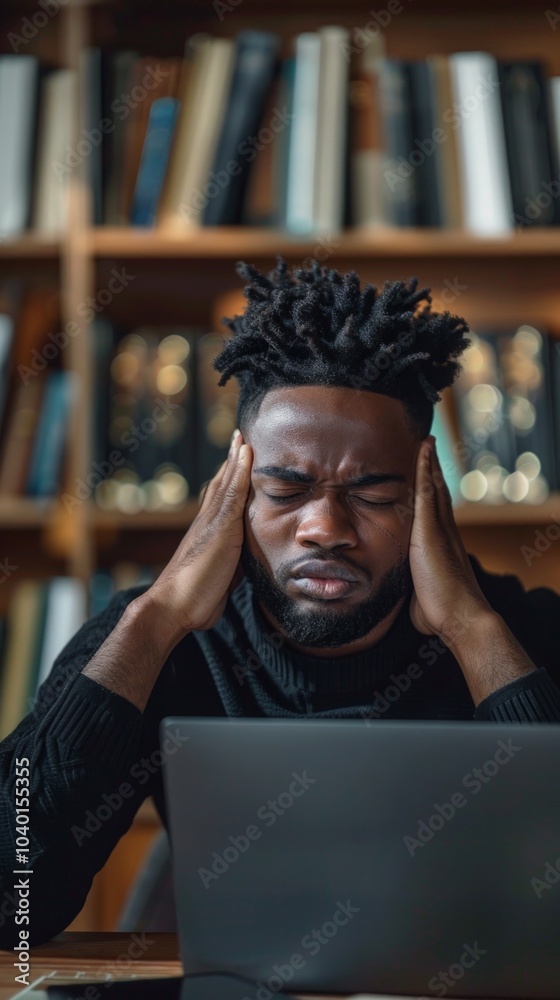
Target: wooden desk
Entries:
(104, 956)
(77, 955)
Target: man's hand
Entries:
(447, 600)
(192, 590)
(446, 592)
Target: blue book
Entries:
(153, 162)
(43, 479)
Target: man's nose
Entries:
(326, 521)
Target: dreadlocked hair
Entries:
(316, 327)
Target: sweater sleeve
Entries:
(534, 618)
(81, 742)
(531, 698)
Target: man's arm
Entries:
(87, 732)
(81, 741)
(506, 680)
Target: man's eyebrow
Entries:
(295, 476)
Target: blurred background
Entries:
(145, 148)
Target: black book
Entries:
(399, 186)
(532, 158)
(256, 62)
(424, 149)
(554, 384)
(91, 133)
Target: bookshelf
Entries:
(178, 277)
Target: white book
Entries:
(53, 174)
(18, 96)
(66, 612)
(483, 166)
(330, 139)
(302, 148)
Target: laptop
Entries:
(340, 856)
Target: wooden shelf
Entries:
(30, 246)
(25, 512)
(485, 515)
(160, 520)
(231, 242)
(21, 513)
(466, 514)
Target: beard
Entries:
(325, 627)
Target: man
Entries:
(322, 573)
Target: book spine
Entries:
(301, 154)
(331, 135)
(532, 159)
(46, 462)
(153, 163)
(399, 185)
(483, 163)
(429, 209)
(255, 65)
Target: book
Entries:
(281, 148)
(447, 153)
(65, 613)
(302, 151)
(553, 348)
(201, 119)
(554, 101)
(399, 185)
(19, 81)
(485, 180)
(54, 167)
(100, 591)
(23, 640)
(256, 62)
(151, 79)
(330, 137)
(91, 136)
(45, 468)
(153, 162)
(424, 125)
(366, 137)
(532, 156)
(119, 69)
(259, 207)
(20, 432)
(6, 341)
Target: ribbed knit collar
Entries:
(340, 674)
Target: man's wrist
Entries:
(489, 655)
(152, 611)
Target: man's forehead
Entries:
(328, 406)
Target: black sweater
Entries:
(94, 757)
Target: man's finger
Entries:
(425, 500)
(445, 503)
